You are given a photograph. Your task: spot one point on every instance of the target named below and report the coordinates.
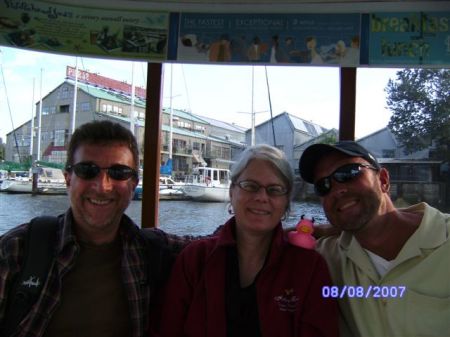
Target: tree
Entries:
(420, 103)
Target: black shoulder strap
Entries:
(159, 258)
(38, 257)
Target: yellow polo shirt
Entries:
(412, 299)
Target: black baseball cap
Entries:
(315, 152)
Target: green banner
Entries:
(56, 28)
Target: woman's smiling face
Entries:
(257, 211)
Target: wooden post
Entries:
(152, 140)
(347, 104)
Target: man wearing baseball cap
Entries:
(390, 267)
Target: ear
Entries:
(384, 180)
(67, 177)
(135, 183)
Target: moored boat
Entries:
(169, 189)
(50, 181)
(208, 184)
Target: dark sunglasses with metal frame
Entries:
(342, 174)
(88, 170)
(271, 190)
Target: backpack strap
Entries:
(37, 259)
(159, 258)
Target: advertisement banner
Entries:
(420, 38)
(57, 28)
(270, 38)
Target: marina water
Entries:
(177, 217)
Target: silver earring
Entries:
(230, 209)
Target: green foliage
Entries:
(50, 164)
(420, 103)
(13, 166)
(329, 138)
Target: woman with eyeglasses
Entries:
(247, 280)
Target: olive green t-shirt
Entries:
(93, 298)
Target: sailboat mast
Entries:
(270, 105)
(75, 92)
(9, 109)
(253, 107)
(171, 113)
(39, 127)
(132, 99)
(32, 124)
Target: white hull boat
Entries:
(168, 189)
(208, 184)
(50, 181)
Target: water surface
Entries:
(178, 217)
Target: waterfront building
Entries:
(414, 177)
(196, 140)
(286, 131)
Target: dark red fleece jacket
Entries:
(289, 291)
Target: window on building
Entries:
(65, 92)
(47, 135)
(64, 108)
(200, 128)
(184, 125)
(45, 110)
(60, 137)
(25, 140)
(85, 106)
(196, 146)
(220, 152)
(178, 145)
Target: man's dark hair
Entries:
(102, 133)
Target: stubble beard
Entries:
(369, 205)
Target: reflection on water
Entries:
(178, 217)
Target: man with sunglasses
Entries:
(101, 281)
(390, 266)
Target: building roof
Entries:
(370, 135)
(224, 125)
(105, 82)
(300, 124)
(110, 95)
(185, 115)
(309, 127)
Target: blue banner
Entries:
(270, 38)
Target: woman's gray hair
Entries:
(271, 154)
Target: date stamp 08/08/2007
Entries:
(363, 292)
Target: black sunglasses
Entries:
(342, 174)
(87, 171)
(271, 190)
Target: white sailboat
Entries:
(50, 181)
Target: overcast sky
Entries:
(221, 92)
